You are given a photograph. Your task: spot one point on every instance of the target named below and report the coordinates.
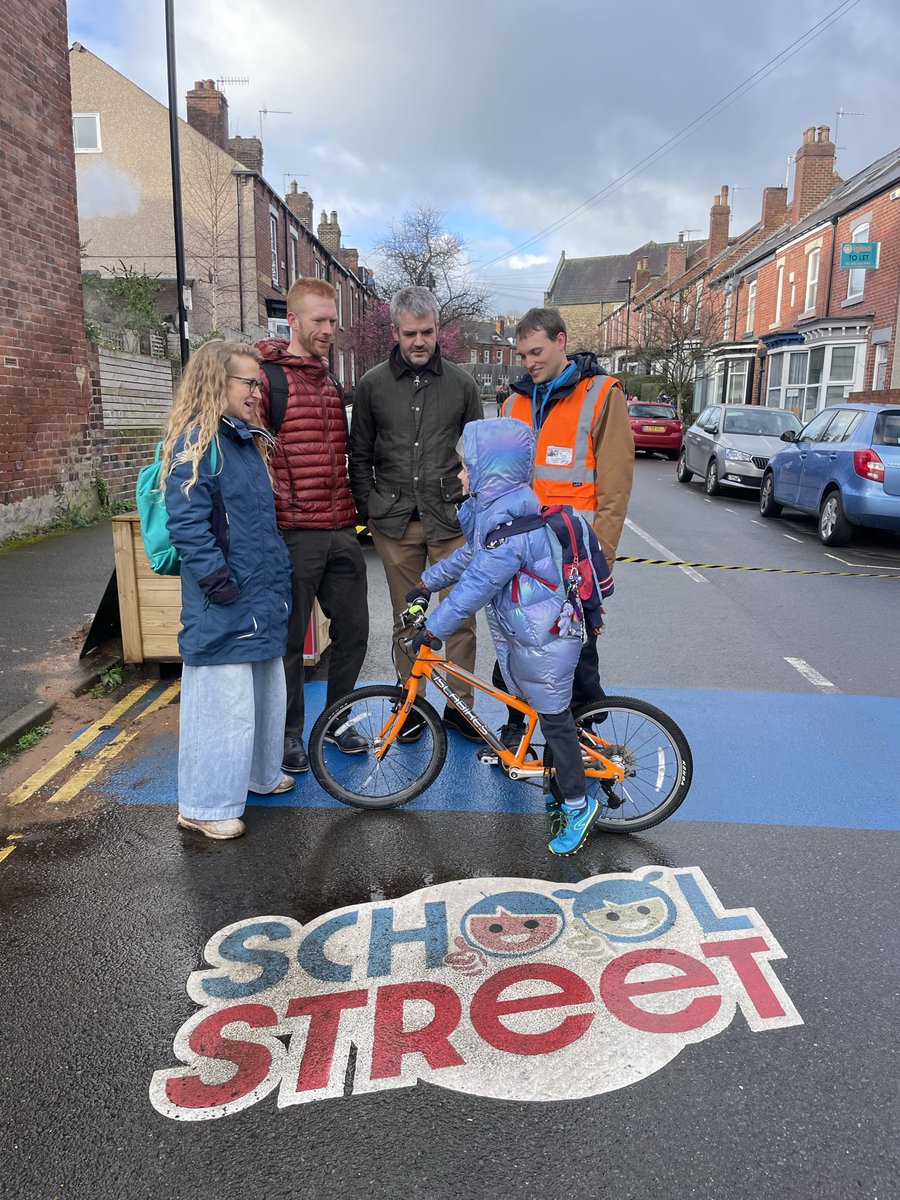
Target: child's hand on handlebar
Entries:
(418, 596)
(424, 638)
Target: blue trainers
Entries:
(571, 828)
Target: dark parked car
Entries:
(655, 427)
(731, 444)
(844, 467)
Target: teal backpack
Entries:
(151, 506)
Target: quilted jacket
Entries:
(517, 582)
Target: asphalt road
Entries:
(47, 589)
(740, 1042)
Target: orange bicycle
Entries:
(639, 765)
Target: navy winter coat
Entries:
(520, 608)
(235, 568)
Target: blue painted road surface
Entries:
(759, 757)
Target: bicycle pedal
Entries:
(487, 756)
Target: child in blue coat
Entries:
(518, 584)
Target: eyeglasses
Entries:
(253, 384)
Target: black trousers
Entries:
(562, 742)
(585, 685)
(328, 567)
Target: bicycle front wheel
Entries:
(654, 753)
(406, 768)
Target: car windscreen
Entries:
(767, 422)
(887, 429)
(656, 412)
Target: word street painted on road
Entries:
(510, 988)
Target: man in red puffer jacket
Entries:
(315, 510)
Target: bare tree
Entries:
(210, 220)
(671, 337)
(419, 250)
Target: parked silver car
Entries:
(731, 444)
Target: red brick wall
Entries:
(45, 457)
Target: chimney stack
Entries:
(641, 274)
(301, 205)
(774, 207)
(814, 175)
(349, 257)
(676, 259)
(248, 151)
(207, 111)
(329, 233)
(719, 219)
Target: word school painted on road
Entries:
(516, 989)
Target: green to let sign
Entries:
(859, 256)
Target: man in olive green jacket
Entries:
(408, 415)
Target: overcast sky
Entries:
(508, 115)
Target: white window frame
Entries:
(353, 368)
(879, 365)
(856, 277)
(293, 256)
(813, 259)
(726, 319)
(751, 306)
(698, 306)
(339, 300)
(273, 246)
(776, 396)
(486, 355)
(779, 288)
(473, 356)
(98, 149)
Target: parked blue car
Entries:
(844, 467)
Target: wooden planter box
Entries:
(150, 604)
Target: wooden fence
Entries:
(136, 390)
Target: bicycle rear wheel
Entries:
(654, 752)
(362, 780)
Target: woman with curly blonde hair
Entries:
(235, 591)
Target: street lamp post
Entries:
(176, 183)
(629, 281)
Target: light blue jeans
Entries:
(231, 736)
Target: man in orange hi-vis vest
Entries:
(585, 452)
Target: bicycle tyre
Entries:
(657, 755)
(405, 771)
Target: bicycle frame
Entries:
(430, 666)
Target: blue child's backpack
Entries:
(151, 506)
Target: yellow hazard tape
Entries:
(676, 562)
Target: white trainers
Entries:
(285, 783)
(220, 830)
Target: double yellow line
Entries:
(93, 766)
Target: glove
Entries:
(418, 595)
(422, 638)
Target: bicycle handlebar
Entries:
(413, 617)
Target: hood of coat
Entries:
(277, 350)
(499, 456)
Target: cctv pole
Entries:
(177, 213)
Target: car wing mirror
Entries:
(789, 435)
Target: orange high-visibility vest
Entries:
(564, 466)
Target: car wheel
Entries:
(682, 474)
(713, 487)
(834, 528)
(768, 505)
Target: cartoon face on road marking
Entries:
(623, 910)
(628, 920)
(513, 924)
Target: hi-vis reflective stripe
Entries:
(676, 562)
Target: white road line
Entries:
(662, 550)
(791, 536)
(734, 510)
(809, 673)
(858, 566)
(753, 521)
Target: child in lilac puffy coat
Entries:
(518, 584)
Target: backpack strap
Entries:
(498, 535)
(278, 394)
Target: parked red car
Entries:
(655, 428)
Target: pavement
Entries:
(49, 590)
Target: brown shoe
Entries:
(220, 830)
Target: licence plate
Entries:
(654, 429)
